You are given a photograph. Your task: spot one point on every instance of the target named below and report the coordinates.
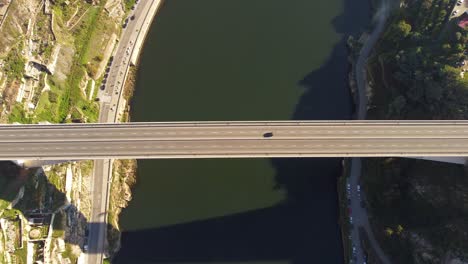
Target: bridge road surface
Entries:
(234, 139)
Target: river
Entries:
(241, 60)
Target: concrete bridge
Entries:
(438, 140)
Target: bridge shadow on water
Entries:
(298, 230)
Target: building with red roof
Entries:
(463, 20)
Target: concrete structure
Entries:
(235, 140)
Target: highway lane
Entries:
(213, 131)
(232, 147)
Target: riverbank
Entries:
(124, 171)
(359, 53)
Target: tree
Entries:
(399, 229)
(416, 37)
(459, 48)
(442, 15)
(403, 28)
(426, 4)
(446, 47)
(388, 231)
(397, 106)
(433, 91)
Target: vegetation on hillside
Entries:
(419, 208)
(14, 64)
(415, 71)
(82, 31)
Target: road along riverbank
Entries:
(358, 216)
(111, 108)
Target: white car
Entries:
(351, 219)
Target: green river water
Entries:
(239, 60)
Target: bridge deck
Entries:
(235, 139)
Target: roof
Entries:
(463, 20)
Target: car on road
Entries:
(268, 134)
(350, 219)
(125, 23)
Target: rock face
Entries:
(124, 177)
